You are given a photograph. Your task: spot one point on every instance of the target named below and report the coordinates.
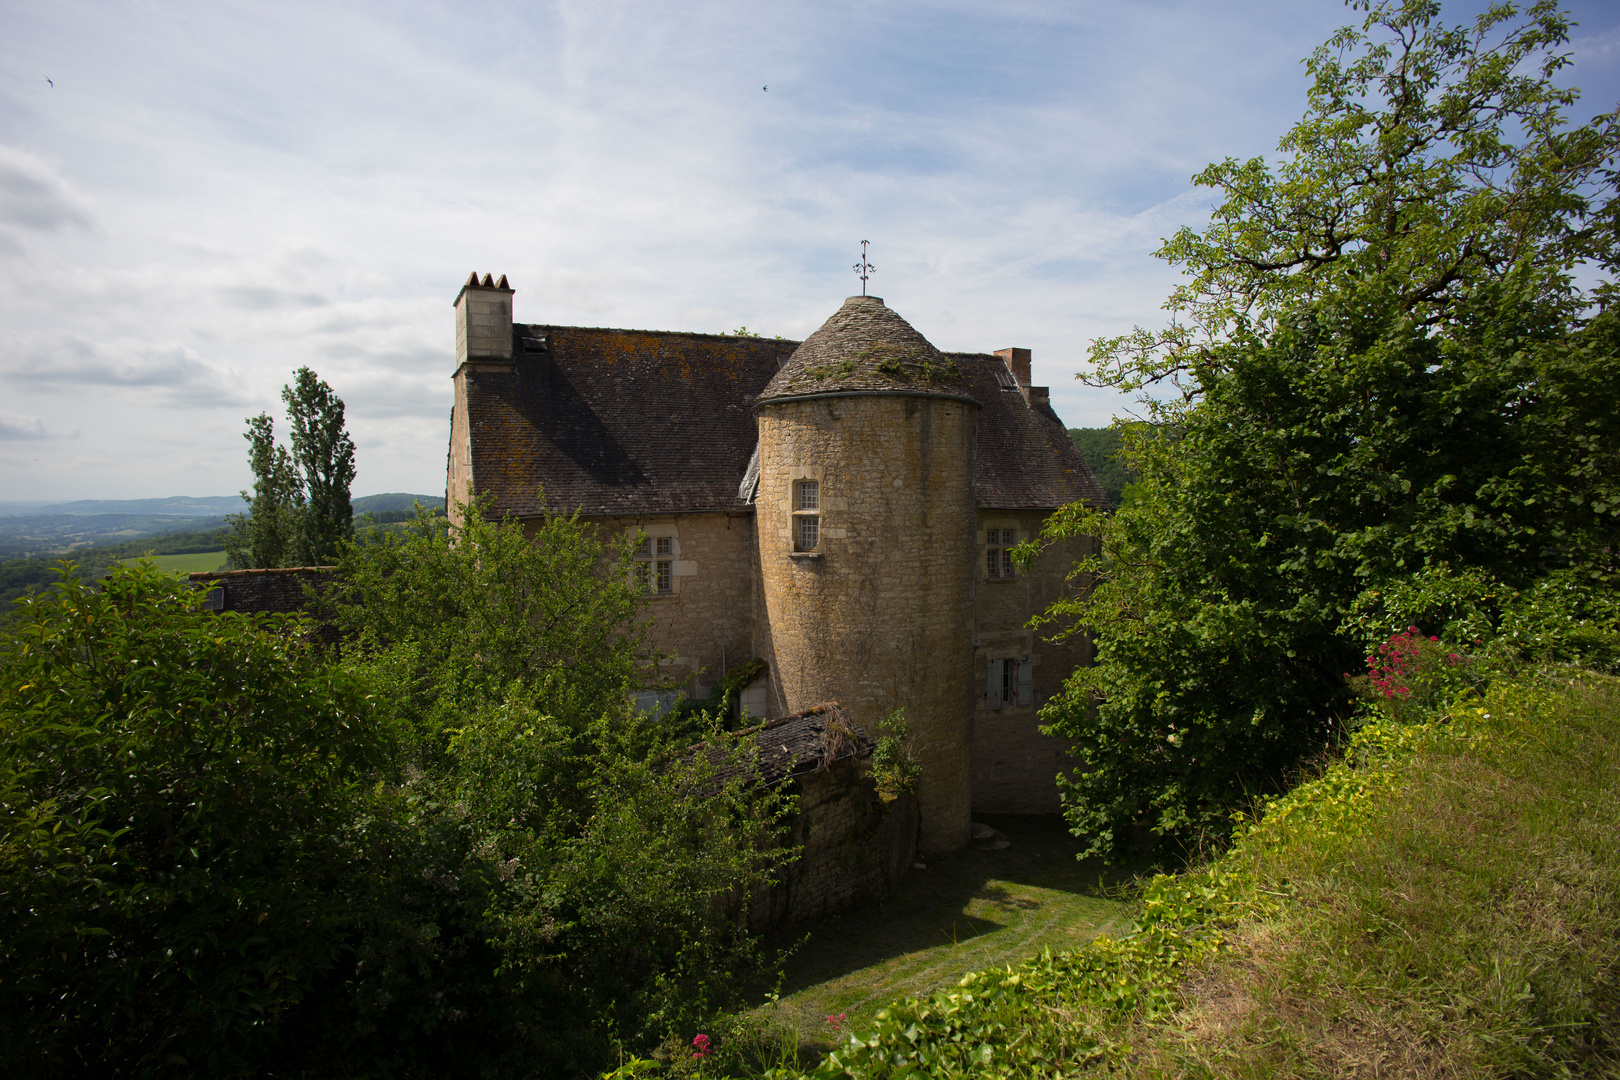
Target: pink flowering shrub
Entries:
(1409, 674)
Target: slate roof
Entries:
(866, 347)
(618, 421)
(1026, 460)
(637, 422)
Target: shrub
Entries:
(894, 768)
(173, 791)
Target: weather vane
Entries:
(864, 268)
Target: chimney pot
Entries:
(1017, 361)
(484, 321)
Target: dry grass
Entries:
(1473, 931)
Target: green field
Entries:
(968, 911)
(196, 563)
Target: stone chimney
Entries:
(1017, 361)
(484, 321)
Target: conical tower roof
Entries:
(866, 348)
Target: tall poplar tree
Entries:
(298, 512)
(324, 454)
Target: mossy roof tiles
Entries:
(866, 347)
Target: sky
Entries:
(197, 199)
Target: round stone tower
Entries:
(865, 525)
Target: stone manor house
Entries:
(840, 508)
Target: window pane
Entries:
(992, 563)
(809, 532)
(809, 495)
(1006, 563)
(1009, 677)
(644, 546)
(644, 575)
(1008, 537)
(663, 577)
(664, 545)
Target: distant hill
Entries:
(394, 501)
(183, 506)
(45, 528)
(1099, 447)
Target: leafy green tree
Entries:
(468, 615)
(174, 789)
(454, 850)
(271, 533)
(590, 856)
(299, 512)
(1382, 364)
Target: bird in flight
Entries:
(48, 79)
(766, 89)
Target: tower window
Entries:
(654, 570)
(998, 560)
(806, 515)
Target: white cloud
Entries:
(34, 196)
(213, 195)
(163, 373)
(16, 426)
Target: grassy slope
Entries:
(1471, 928)
(197, 562)
(1445, 902)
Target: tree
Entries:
(299, 513)
(589, 855)
(1381, 365)
(324, 454)
(226, 851)
(174, 789)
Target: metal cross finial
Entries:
(864, 268)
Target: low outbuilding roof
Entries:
(803, 742)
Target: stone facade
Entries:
(856, 848)
(877, 616)
(918, 465)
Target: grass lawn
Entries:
(201, 562)
(970, 910)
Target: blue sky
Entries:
(213, 194)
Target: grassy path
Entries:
(967, 911)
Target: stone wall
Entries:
(857, 848)
(284, 590)
(1014, 766)
(703, 624)
(877, 617)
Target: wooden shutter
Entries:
(1026, 682)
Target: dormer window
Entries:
(806, 515)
